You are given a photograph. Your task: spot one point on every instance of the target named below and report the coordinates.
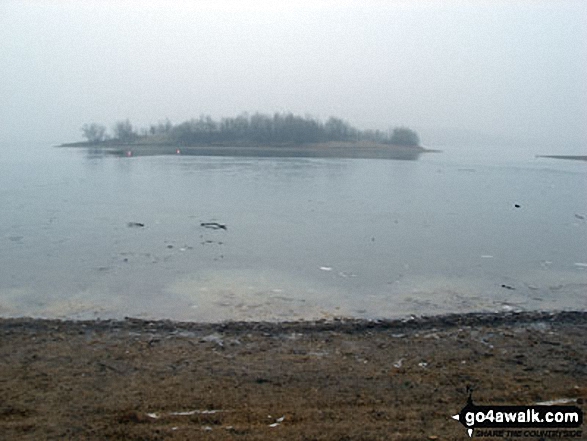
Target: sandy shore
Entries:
(337, 380)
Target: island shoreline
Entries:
(342, 150)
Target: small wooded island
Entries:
(258, 134)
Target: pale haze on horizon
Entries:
(508, 69)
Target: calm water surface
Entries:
(306, 238)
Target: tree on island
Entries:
(257, 129)
(404, 136)
(124, 132)
(94, 133)
(161, 128)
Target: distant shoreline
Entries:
(571, 157)
(331, 144)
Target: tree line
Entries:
(262, 129)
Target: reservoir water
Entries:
(89, 235)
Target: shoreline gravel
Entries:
(324, 380)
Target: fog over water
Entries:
(483, 226)
(85, 234)
(457, 71)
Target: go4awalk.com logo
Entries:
(539, 421)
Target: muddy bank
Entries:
(324, 380)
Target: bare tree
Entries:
(404, 136)
(93, 132)
(124, 132)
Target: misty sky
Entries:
(516, 68)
